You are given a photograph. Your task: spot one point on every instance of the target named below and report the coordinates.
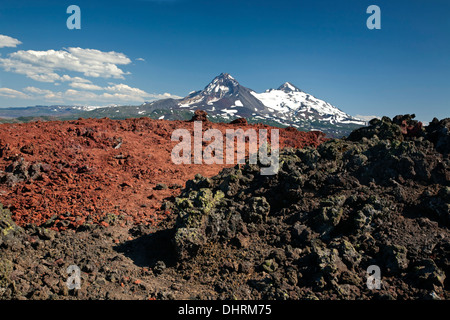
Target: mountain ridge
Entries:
(224, 99)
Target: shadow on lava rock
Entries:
(150, 250)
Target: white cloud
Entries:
(79, 96)
(48, 95)
(125, 89)
(36, 90)
(6, 41)
(85, 86)
(11, 93)
(97, 56)
(43, 65)
(37, 73)
(140, 59)
(74, 79)
(114, 94)
(54, 66)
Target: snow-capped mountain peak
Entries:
(288, 88)
(290, 103)
(221, 85)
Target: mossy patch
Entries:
(7, 225)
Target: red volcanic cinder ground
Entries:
(84, 170)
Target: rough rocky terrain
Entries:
(66, 173)
(379, 197)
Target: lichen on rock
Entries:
(7, 225)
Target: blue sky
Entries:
(132, 51)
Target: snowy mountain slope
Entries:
(296, 105)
